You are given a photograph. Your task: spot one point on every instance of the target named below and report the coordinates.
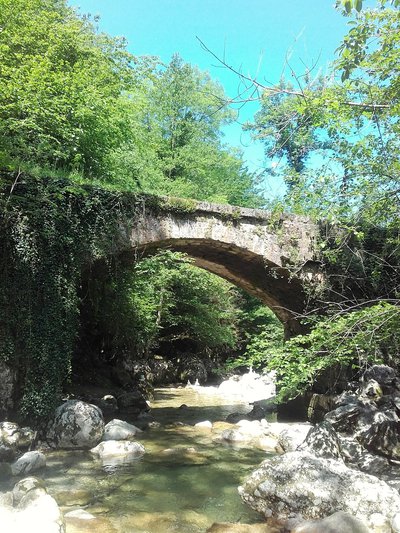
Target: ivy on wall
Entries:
(49, 229)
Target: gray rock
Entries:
(339, 522)
(120, 430)
(293, 436)
(344, 417)
(299, 483)
(9, 434)
(24, 486)
(29, 462)
(323, 441)
(76, 424)
(118, 448)
(383, 374)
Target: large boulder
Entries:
(30, 508)
(76, 424)
(299, 483)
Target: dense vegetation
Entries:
(83, 124)
(335, 139)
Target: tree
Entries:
(63, 87)
(185, 114)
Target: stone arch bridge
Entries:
(268, 256)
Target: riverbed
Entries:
(186, 481)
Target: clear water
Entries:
(183, 490)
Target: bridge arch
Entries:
(264, 255)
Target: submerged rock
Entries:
(124, 449)
(299, 483)
(76, 424)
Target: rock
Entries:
(132, 400)
(5, 471)
(319, 406)
(7, 453)
(206, 424)
(371, 391)
(79, 513)
(118, 448)
(38, 511)
(242, 528)
(9, 434)
(120, 430)
(34, 510)
(268, 444)
(384, 375)
(299, 483)
(250, 387)
(29, 462)
(323, 441)
(251, 429)
(76, 424)
(395, 523)
(344, 417)
(233, 435)
(339, 522)
(27, 437)
(24, 486)
(377, 431)
(293, 436)
(108, 404)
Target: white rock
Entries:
(39, 512)
(9, 434)
(234, 435)
(251, 428)
(395, 523)
(118, 448)
(339, 522)
(120, 430)
(268, 444)
(29, 462)
(293, 436)
(76, 424)
(24, 486)
(206, 424)
(79, 513)
(299, 483)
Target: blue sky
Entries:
(253, 35)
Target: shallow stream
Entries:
(187, 479)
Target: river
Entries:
(186, 480)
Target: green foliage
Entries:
(367, 336)
(62, 87)
(49, 230)
(262, 332)
(164, 298)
